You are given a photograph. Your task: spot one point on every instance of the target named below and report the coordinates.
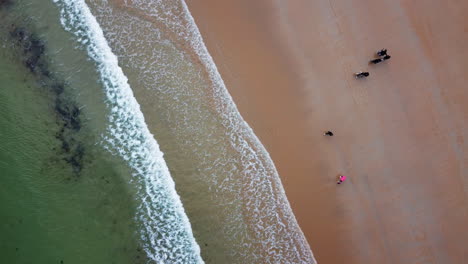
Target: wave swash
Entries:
(166, 231)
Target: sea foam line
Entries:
(249, 144)
(166, 229)
(274, 235)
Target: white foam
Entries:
(250, 214)
(255, 152)
(273, 222)
(166, 230)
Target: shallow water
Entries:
(227, 181)
(66, 195)
(83, 179)
(62, 198)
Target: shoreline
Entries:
(289, 71)
(197, 125)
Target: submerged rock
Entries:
(67, 111)
(5, 3)
(33, 49)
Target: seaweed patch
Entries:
(5, 3)
(68, 113)
(32, 47)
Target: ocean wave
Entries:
(249, 210)
(272, 218)
(166, 231)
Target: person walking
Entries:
(375, 61)
(328, 133)
(382, 52)
(341, 179)
(361, 74)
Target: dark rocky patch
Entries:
(68, 113)
(57, 88)
(5, 3)
(65, 145)
(45, 73)
(17, 33)
(33, 49)
(75, 159)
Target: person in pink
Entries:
(341, 179)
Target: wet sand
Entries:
(400, 135)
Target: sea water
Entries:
(82, 179)
(228, 184)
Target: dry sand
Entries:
(401, 136)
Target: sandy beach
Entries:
(400, 135)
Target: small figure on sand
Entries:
(328, 133)
(361, 74)
(382, 52)
(375, 61)
(341, 179)
(383, 56)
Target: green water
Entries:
(63, 199)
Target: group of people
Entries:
(382, 56)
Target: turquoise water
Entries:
(64, 198)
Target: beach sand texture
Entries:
(400, 135)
